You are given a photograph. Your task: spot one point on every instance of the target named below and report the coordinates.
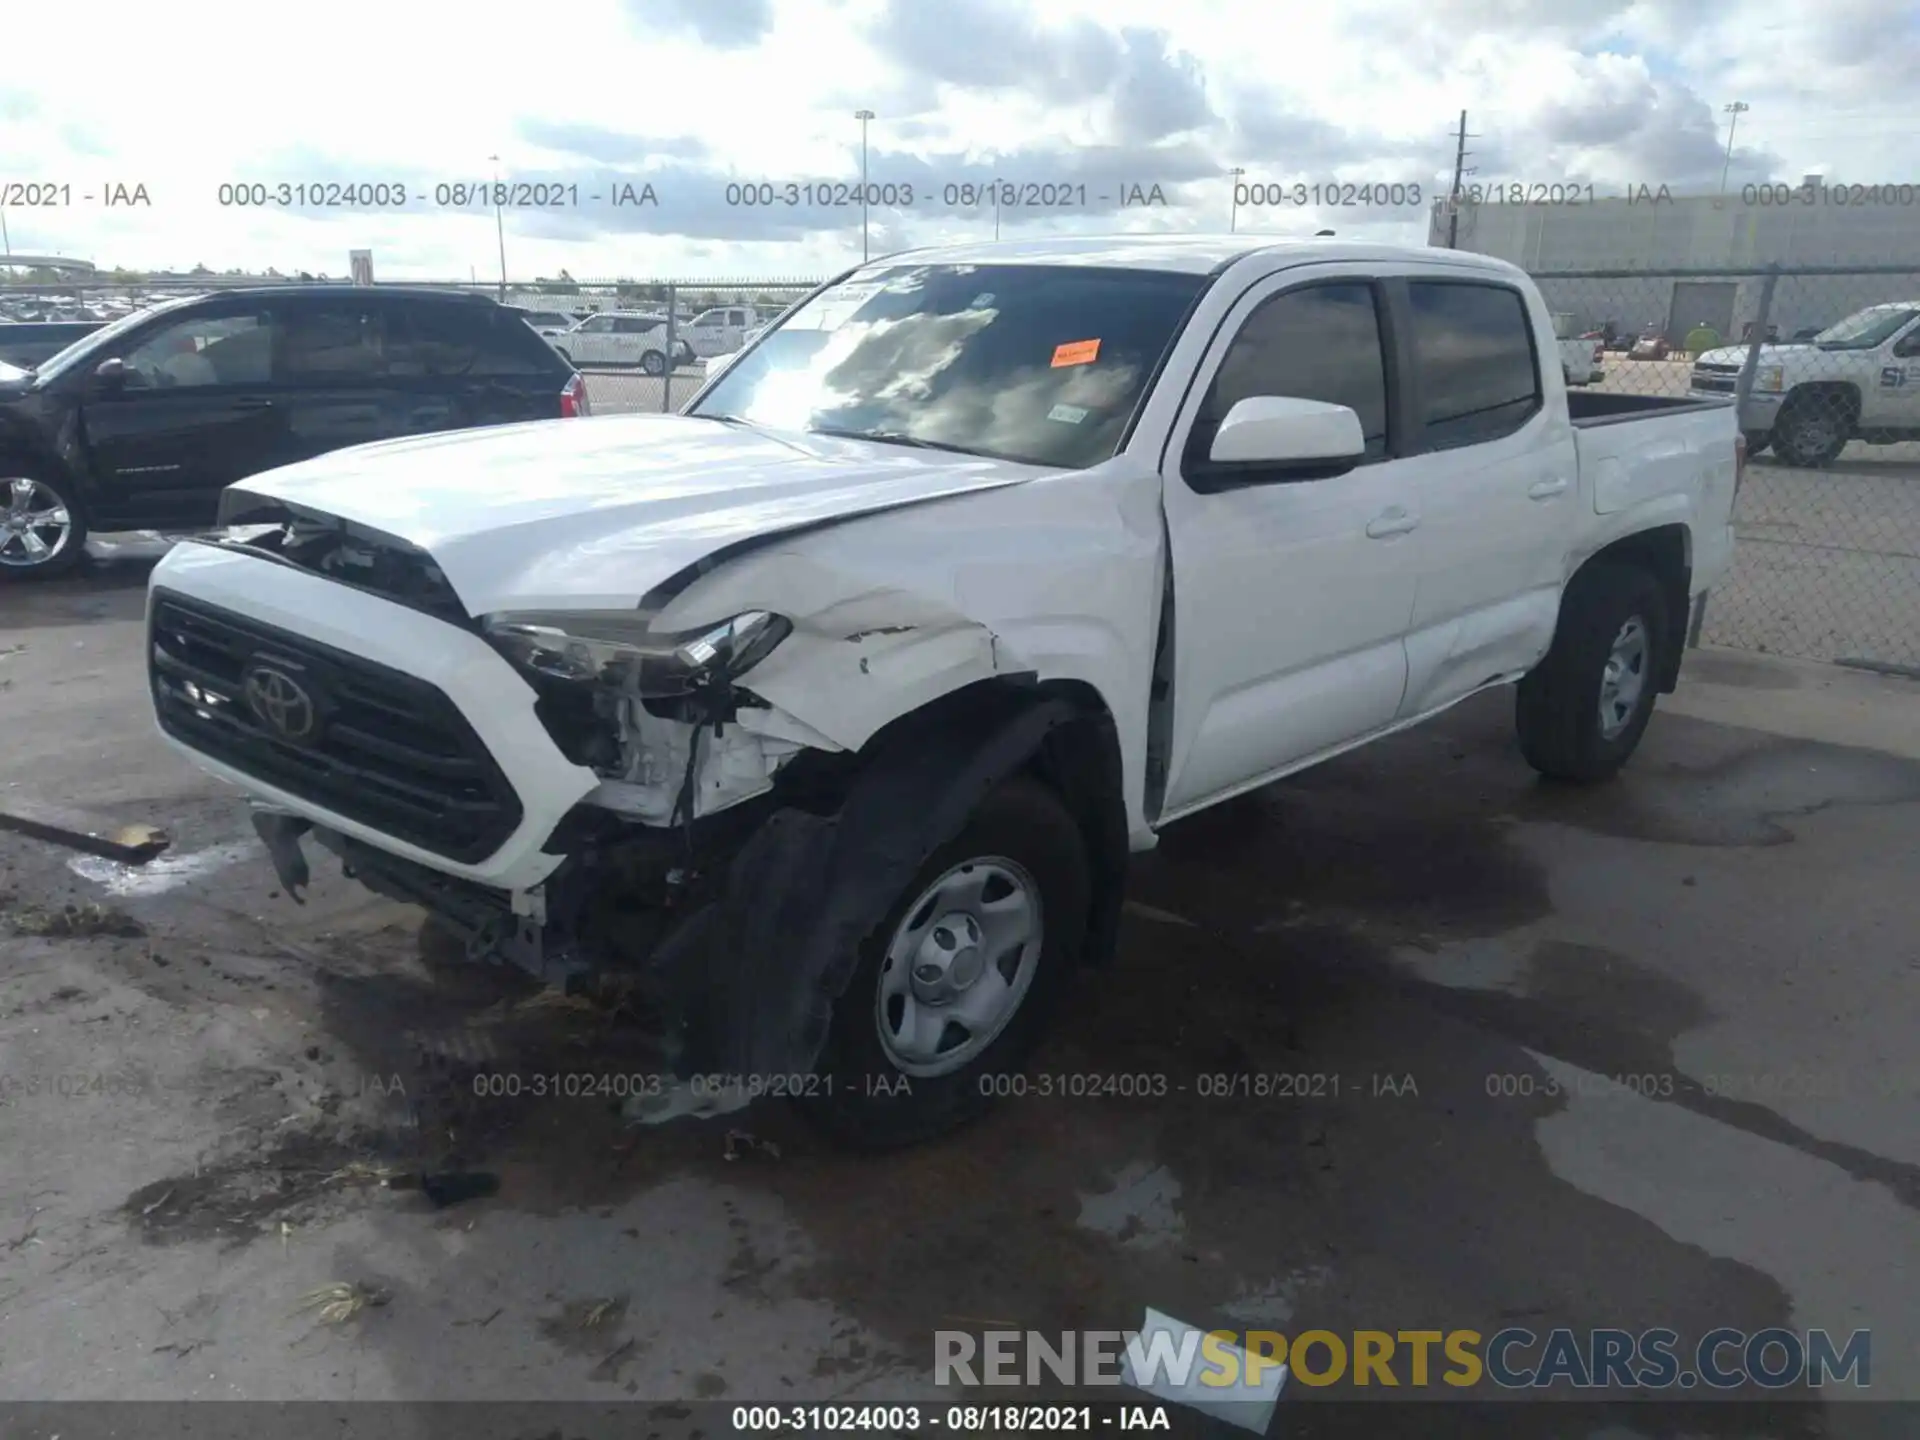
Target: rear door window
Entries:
(334, 341)
(1473, 354)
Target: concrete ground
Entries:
(1634, 1056)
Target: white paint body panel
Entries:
(1308, 617)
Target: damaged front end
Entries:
(732, 859)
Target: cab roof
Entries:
(1185, 254)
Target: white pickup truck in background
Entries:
(830, 710)
(1580, 357)
(1857, 380)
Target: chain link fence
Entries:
(1825, 365)
(1827, 361)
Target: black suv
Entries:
(143, 423)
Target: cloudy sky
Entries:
(1108, 97)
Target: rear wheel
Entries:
(1582, 711)
(43, 530)
(1813, 428)
(954, 988)
(654, 363)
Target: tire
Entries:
(1558, 708)
(653, 363)
(868, 1098)
(62, 544)
(1757, 442)
(1813, 428)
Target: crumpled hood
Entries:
(595, 513)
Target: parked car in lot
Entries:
(25, 344)
(142, 423)
(828, 712)
(548, 324)
(624, 338)
(1652, 345)
(1857, 380)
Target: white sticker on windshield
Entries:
(1067, 414)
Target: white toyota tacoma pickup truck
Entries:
(831, 709)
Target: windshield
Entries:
(102, 339)
(1864, 330)
(1042, 364)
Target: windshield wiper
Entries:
(892, 437)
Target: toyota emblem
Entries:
(281, 702)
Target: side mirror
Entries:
(111, 374)
(1281, 432)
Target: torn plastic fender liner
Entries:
(806, 891)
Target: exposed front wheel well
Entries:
(1666, 553)
(1077, 756)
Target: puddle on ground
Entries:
(1141, 1211)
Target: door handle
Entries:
(1547, 489)
(1389, 523)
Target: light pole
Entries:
(863, 116)
(1233, 221)
(499, 227)
(1736, 110)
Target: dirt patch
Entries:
(69, 922)
(234, 1201)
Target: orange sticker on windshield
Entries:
(1075, 352)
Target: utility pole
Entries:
(499, 227)
(863, 116)
(1736, 110)
(1233, 215)
(1460, 170)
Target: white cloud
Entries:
(689, 95)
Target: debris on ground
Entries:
(584, 1327)
(361, 1172)
(69, 922)
(130, 844)
(682, 1098)
(452, 1187)
(742, 1142)
(339, 1302)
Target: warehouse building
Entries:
(1819, 222)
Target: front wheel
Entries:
(955, 986)
(1583, 709)
(43, 530)
(653, 363)
(1813, 429)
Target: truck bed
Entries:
(1589, 408)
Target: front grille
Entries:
(383, 748)
(1716, 379)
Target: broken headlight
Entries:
(618, 649)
